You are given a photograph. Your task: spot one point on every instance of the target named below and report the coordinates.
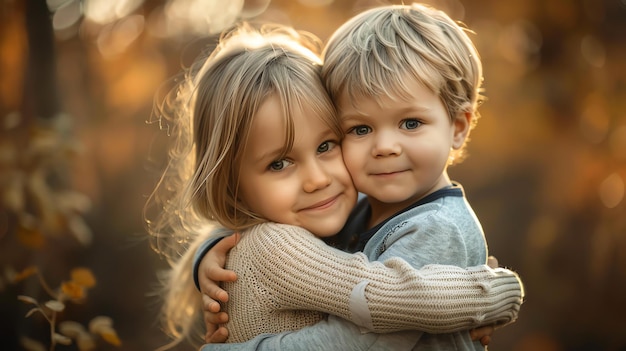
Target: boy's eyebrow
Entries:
(352, 117)
(353, 114)
(400, 111)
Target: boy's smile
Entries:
(397, 150)
(388, 174)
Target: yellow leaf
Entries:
(100, 323)
(103, 326)
(85, 342)
(72, 290)
(30, 237)
(25, 273)
(83, 277)
(110, 336)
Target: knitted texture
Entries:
(288, 279)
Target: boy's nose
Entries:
(386, 144)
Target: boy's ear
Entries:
(461, 125)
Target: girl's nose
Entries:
(315, 177)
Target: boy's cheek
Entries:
(353, 156)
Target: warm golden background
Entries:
(545, 175)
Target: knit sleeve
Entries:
(301, 272)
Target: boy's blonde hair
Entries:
(374, 53)
(212, 113)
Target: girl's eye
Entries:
(360, 130)
(410, 124)
(278, 165)
(326, 146)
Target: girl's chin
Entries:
(327, 231)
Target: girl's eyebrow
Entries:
(325, 134)
(272, 154)
(276, 152)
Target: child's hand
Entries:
(219, 336)
(492, 262)
(212, 320)
(211, 273)
(483, 334)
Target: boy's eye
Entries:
(410, 124)
(278, 165)
(326, 146)
(360, 130)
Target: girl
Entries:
(265, 151)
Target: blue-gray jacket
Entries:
(440, 228)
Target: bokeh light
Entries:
(593, 51)
(115, 38)
(611, 190)
(200, 17)
(107, 11)
(546, 171)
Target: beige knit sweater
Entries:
(288, 279)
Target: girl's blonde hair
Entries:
(374, 53)
(212, 113)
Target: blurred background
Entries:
(80, 151)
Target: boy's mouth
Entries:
(389, 173)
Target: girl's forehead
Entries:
(266, 132)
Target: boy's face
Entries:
(397, 151)
(310, 187)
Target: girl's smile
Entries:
(309, 186)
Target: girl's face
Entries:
(310, 187)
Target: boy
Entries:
(406, 81)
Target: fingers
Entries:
(210, 305)
(227, 243)
(210, 327)
(218, 274)
(212, 271)
(212, 319)
(212, 266)
(492, 262)
(482, 332)
(219, 336)
(485, 340)
(212, 291)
